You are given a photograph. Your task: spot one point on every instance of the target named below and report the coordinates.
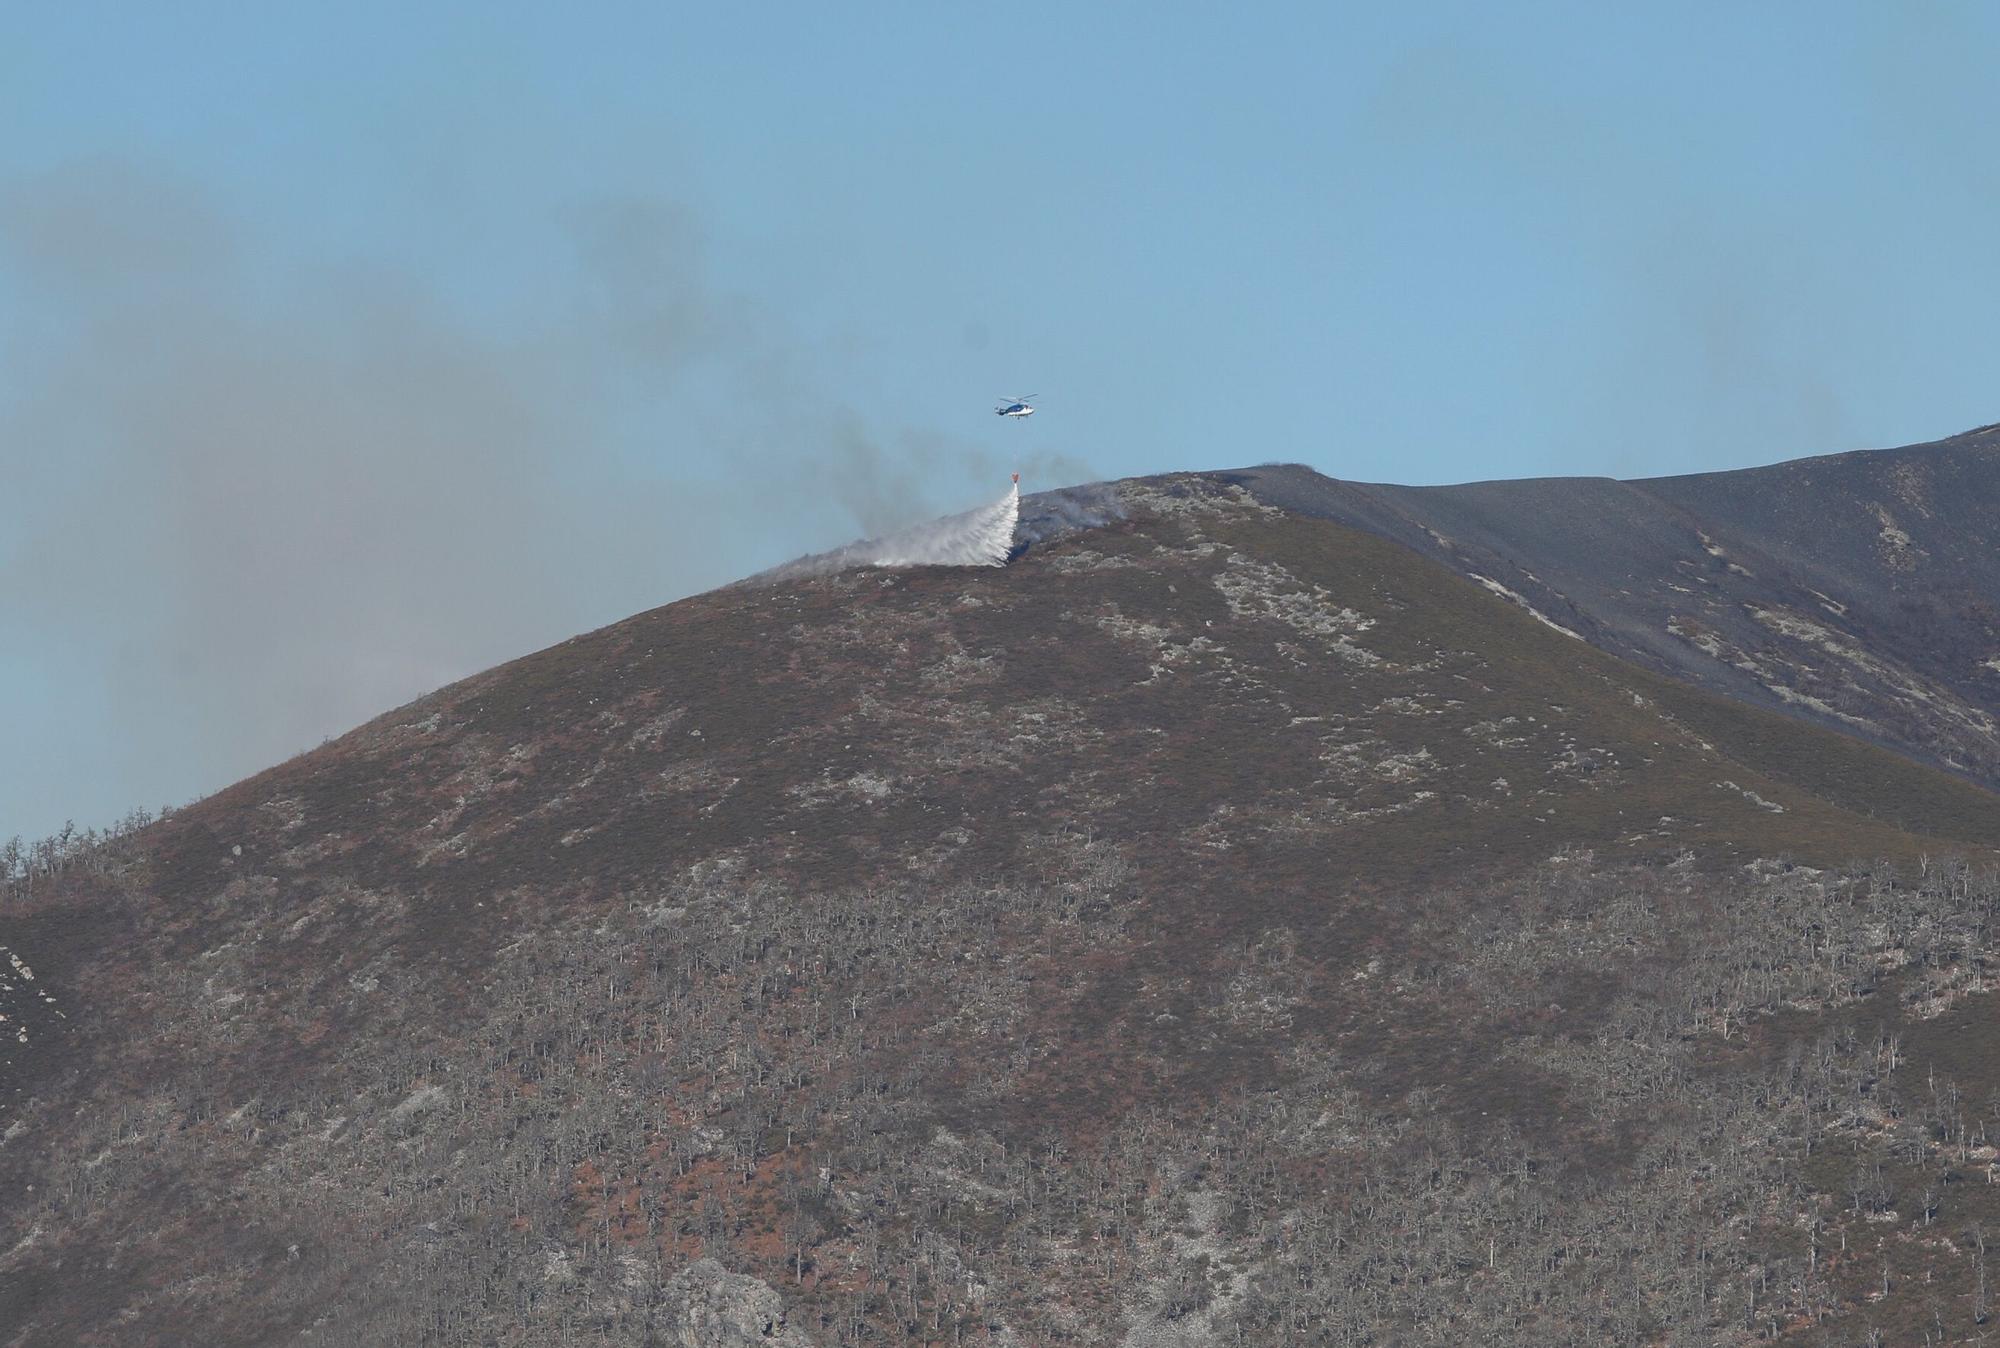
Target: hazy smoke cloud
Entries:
(253, 505)
(1050, 515)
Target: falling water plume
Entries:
(979, 537)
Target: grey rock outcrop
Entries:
(710, 1307)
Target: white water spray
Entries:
(979, 537)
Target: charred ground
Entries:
(1859, 591)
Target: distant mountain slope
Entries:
(550, 1004)
(1860, 591)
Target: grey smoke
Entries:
(250, 503)
(1048, 516)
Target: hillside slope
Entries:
(1860, 591)
(1023, 955)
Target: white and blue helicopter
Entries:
(1015, 407)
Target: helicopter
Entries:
(1015, 407)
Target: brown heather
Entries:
(1222, 926)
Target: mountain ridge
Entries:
(1858, 590)
(1010, 954)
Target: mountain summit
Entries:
(1223, 923)
(1859, 591)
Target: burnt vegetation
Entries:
(1856, 591)
(1218, 927)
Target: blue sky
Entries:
(347, 350)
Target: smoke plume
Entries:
(254, 495)
(1050, 515)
